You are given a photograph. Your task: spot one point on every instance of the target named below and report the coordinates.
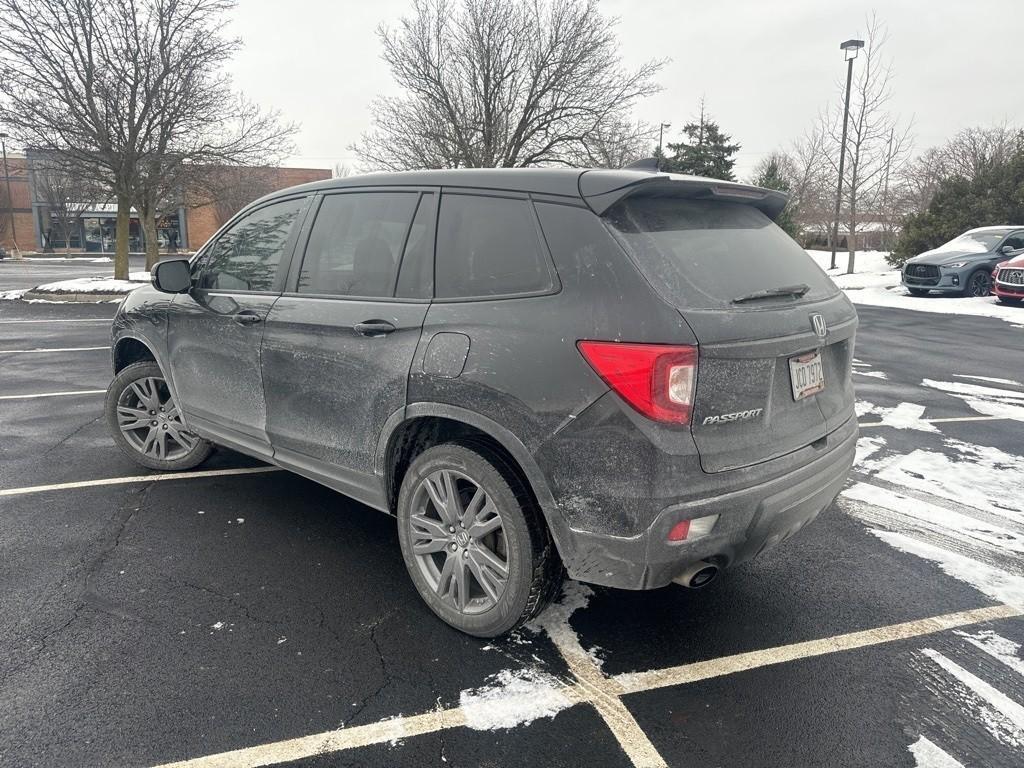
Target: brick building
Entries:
(21, 198)
(187, 228)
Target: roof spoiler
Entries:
(602, 190)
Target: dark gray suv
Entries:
(632, 377)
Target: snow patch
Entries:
(990, 401)
(95, 284)
(13, 295)
(927, 755)
(997, 584)
(983, 477)
(998, 647)
(1001, 715)
(867, 447)
(903, 416)
(514, 698)
(896, 512)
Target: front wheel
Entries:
(145, 421)
(978, 284)
(474, 543)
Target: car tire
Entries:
(1010, 300)
(917, 291)
(145, 422)
(455, 554)
(978, 285)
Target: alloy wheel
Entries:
(981, 284)
(150, 421)
(459, 542)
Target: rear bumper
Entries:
(752, 518)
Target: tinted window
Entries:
(488, 246)
(355, 244)
(416, 273)
(246, 256)
(1014, 241)
(702, 254)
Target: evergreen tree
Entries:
(705, 150)
(771, 176)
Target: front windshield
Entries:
(977, 242)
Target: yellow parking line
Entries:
(584, 691)
(137, 479)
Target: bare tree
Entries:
(500, 83)
(341, 171)
(67, 196)
(615, 144)
(877, 143)
(128, 91)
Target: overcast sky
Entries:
(765, 68)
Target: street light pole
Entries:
(851, 47)
(661, 135)
(10, 200)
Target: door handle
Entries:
(247, 317)
(374, 328)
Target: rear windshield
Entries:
(702, 254)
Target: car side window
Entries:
(355, 244)
(1015, 241)
(489, 246)
(416, 273)
(246, 256)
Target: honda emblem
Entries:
(819, 325)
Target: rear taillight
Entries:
(658, 380)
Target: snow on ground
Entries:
(516, 697)
(875, 283)
(95, 284)
(961, 508)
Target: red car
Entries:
(1008, 280)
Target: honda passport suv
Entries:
(630, 377)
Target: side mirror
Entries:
(172, 276)
(1007, 249)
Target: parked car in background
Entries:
(1008, 280)
(637, 378)
(963, 265)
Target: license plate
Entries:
(806, 375)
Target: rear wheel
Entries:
(917, 291)
(978, 284)
(474, 543)
(145, 421)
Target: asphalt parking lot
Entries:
(239, 616)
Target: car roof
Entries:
(599, 187)
(1002, 228)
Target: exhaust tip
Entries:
(698, 575)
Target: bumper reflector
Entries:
(688, 530)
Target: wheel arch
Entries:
(450, 422)
(130, 349)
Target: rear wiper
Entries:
(770, 293)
